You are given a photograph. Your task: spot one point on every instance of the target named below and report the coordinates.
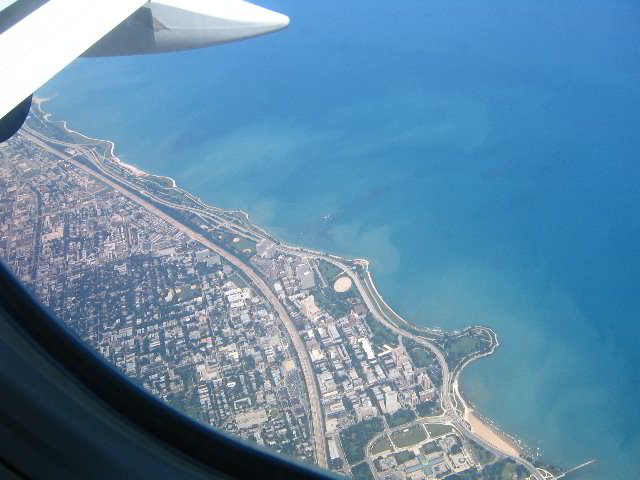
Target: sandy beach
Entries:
(488, 434)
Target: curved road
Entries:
(447, 383)
(450, 387)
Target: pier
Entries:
(577, 468)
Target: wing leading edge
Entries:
(45, 41)
(172, 25)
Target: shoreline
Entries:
(434, 329)
(482, 427)
(485, 429)
(111, 145)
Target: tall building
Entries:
(391, 404)
(309, 308)
(266, 248)
(400, 353)
(305, 275)
(425, 381)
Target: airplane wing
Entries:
(43, 43)
(46, 39)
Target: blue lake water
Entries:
(483, 155)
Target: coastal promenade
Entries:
(298, 344)
(455, 409)
(449, 382)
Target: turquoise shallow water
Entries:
(482, 155)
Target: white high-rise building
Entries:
(391, 404)
(266, 248)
